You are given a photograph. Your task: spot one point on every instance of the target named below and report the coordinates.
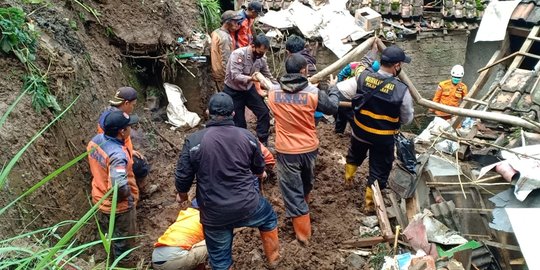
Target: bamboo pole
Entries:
(492, 116)
(349, 57)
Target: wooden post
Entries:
(349, 57)
(380, 209)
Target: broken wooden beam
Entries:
(343, 61)
(365, 242)
(380, 210)
(492, 116)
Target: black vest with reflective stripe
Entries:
(378, 119)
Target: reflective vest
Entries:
(449, 94)
(110, 162)
(295, 124)
(185, 232)
(377, 121)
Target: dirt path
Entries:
(335, 210)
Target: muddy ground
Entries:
(335, 209)
(84, 58)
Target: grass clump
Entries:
(210, 14)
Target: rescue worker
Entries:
(296, 44)
(244, 36)
(182, 246)
(293, 103)
(378, 119)
(352, 70)
(224, 159)
(222, 45)
(125, 100)
(111, 164)
(239, 84)
(451, 92)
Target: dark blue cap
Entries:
(394, 54)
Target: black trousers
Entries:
(255, 103)
(381, 157)
(343, 116)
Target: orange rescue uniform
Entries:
(449, 94)
(111, 162)
(295, 126)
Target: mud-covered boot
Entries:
(350, 171)
(369, 206)
(302, 228)
(270, 243)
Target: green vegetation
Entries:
(20, 38)
(46, 248)
(380, 250)
(479, 5)
(210, 14)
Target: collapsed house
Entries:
(468, 204)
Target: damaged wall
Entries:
(433, 58)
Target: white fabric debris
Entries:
(332, 22)
(495, 19)
(177, 113)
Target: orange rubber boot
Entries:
(270, 243)
(302, 228)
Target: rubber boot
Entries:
(270, 243)
(350, 171)
(369, 206)
(302, 228)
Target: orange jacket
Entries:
(244, 35)
(111, 162)
(295, 125)
(449, 94)
(185, 232)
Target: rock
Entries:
(365, 231)
(255, 255)
(370, 221)
(356, 261)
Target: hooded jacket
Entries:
(293, 103)
(224, 159)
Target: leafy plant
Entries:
(479, 5)
(17, 37)
(210, 14)
(20, 38)
(394, 5)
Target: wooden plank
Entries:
(518, 31)
(364, 242)
(464, 148)
(503, 246)
(525, 48)
(400, 216)
(380, 209)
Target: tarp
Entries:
(495, 19)
(177, 113)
